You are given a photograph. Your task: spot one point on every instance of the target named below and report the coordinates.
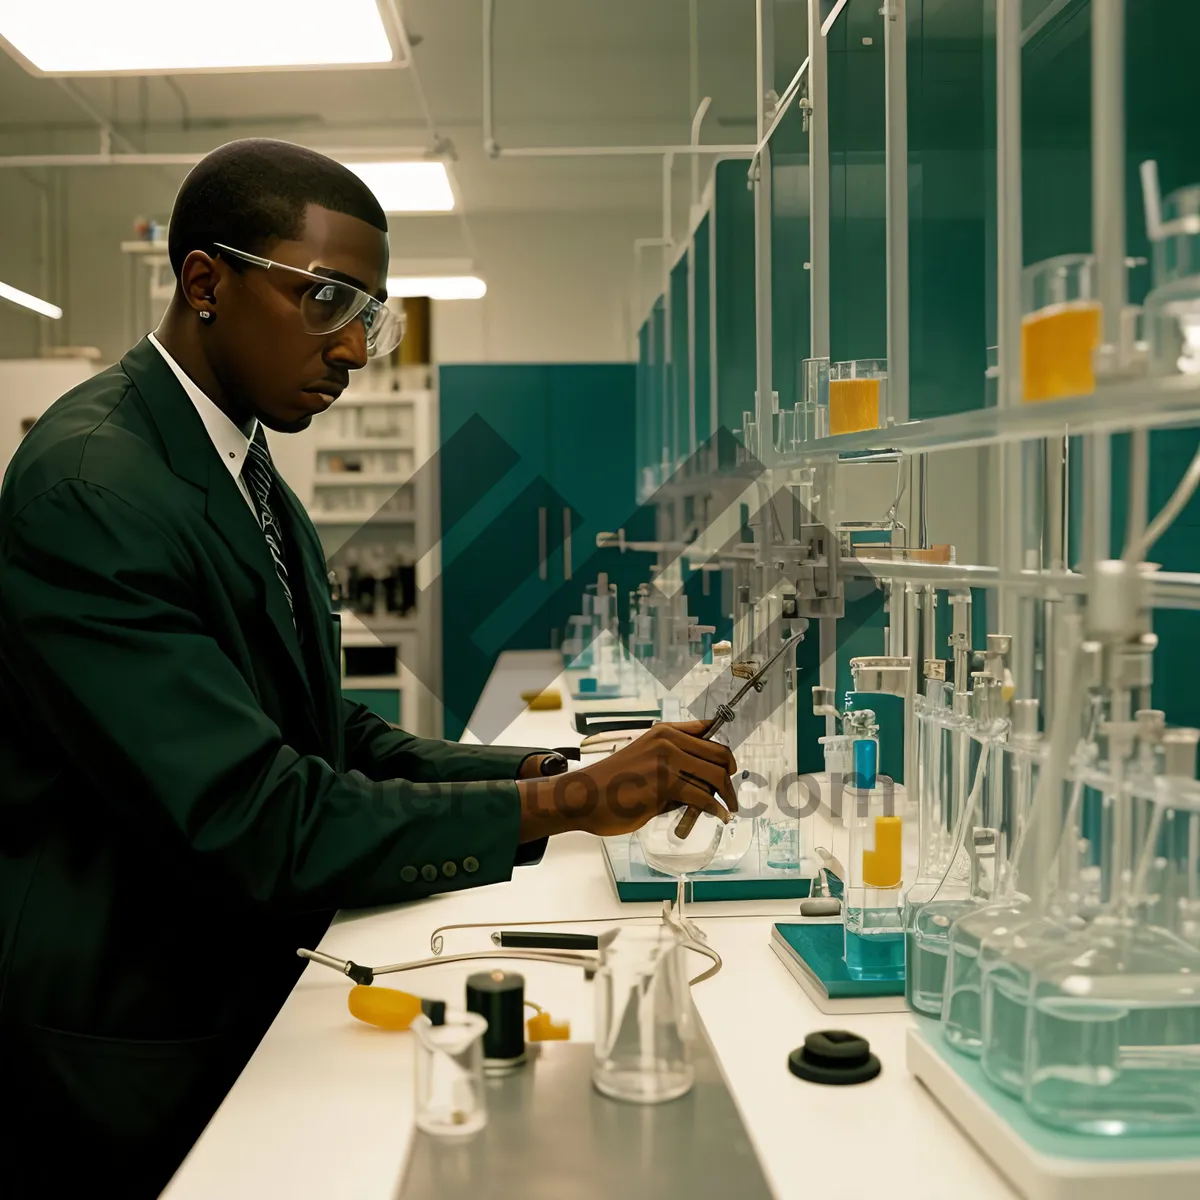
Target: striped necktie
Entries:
(259, 473)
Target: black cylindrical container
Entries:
(499, 997)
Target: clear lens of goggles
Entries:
(329, 306)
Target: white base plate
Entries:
(1034, 1174)
(816, 993)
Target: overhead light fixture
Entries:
(404, 187)
(25, 300)
(78, 37)
(438, 287)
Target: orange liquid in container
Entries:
(1056, 351)
(853, 405)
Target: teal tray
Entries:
(818, 949)
(635, 882)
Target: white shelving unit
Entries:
(367, 475)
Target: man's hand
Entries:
(668, 766)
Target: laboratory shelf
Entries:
(1131, 404)
(362, 479)
(365, 443)
(362, 518)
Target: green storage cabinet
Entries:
(566, 433)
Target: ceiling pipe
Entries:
(346, 154)
(494, 150)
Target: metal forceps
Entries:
(725, 716)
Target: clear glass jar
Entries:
(644, 1021)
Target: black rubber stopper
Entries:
(499, 997)
(834, 1056)
(435, 1010)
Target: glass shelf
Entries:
(1131, 404)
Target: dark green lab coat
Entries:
(185, 796)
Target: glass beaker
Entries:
(857, 395)
(1060, 329)
(449, 1076)
(812, 411)
(643, 1017)
(1173, 306)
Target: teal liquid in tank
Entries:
(874, 955)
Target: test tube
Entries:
(814, 388)
(785, 440)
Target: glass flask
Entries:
(1172, 313)
(1018, 765)
(450, 1099)
(857, 395)
(644, 1023)
(1114, 1029)
(1060, 329)
(959, 839)
(679, 857)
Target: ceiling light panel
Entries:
(438, 287)
(404, 187)
(76, 37)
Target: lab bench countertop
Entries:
(325, 1106)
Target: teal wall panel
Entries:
(733, 246)
(702, 299)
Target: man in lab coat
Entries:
(185, 796)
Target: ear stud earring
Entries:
(205, 315)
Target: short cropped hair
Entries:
(252, 193)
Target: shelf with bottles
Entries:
(378, 585)
(377, 500)
(1130, 404)
(344, 464)
(350, 420)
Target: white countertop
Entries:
(325, 1106)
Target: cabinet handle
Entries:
(542, 543)
(566, 543)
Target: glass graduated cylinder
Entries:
(643, 1018)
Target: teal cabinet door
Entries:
(501, 524)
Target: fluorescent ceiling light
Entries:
(402, 187)
(111, 36)
(438, 287)
(25, 300)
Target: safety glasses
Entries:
(329, 305)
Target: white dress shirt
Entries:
(232, 442)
